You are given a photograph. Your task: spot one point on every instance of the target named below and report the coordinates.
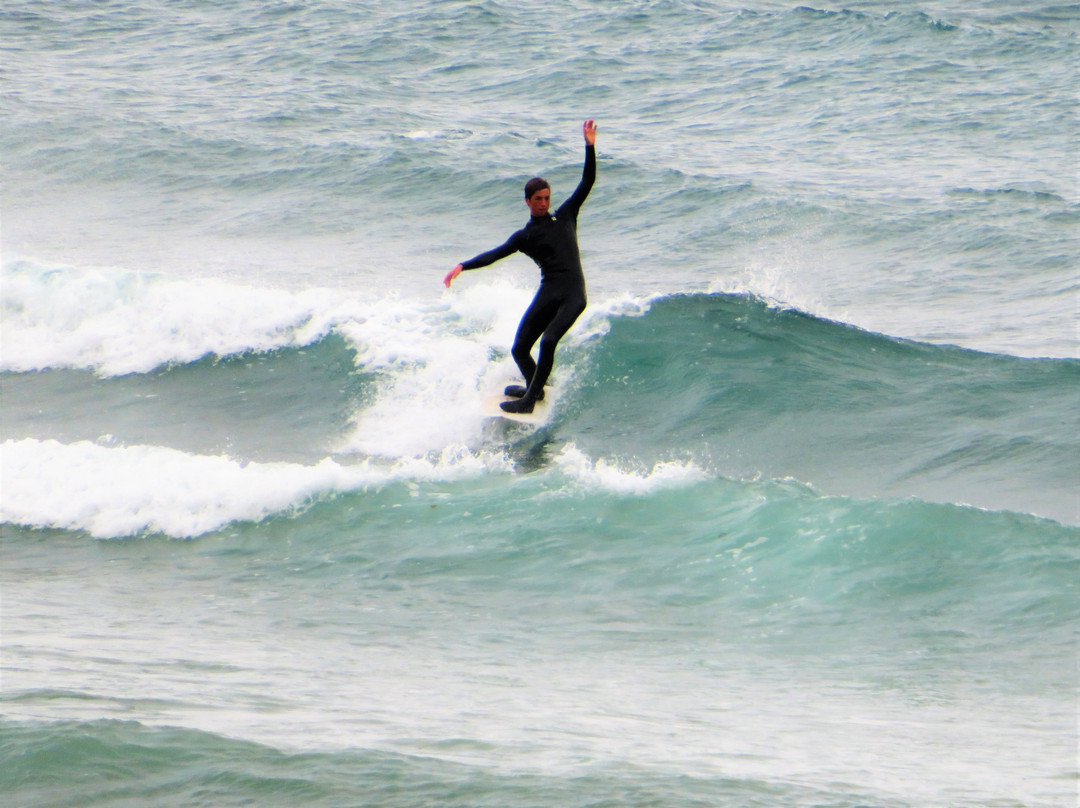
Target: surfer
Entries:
(551, 241)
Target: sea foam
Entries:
(117, 322)
(626, 477)
(117, 491)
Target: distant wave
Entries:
(77, 760)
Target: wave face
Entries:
(749, 389)
(800, 528)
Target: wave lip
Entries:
(118, 323)
(113, 492)
(145, 489)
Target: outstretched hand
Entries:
(589, 128)
(451, 275)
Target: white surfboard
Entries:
(492, 409)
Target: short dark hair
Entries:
(534, 185)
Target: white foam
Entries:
(116, 322)
(596, 321)
(609, 476)
(438, 364)
(112, 492)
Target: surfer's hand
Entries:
(589, 128)
(451, 275)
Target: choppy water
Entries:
(801, 528)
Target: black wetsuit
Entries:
(550, 241)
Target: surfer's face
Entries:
(539, 202)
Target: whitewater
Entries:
(802, 524)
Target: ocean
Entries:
(801, 526)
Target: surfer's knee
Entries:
(521, 352)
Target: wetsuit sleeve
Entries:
(588, 176)
(491, 256)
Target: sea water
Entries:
(801, 527)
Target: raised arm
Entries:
(588, 173)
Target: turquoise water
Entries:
(801, 526)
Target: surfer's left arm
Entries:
(588, 173)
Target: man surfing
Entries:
(551, 241)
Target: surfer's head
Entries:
(538, 196)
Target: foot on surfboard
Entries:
(521, 405)
(518, 391)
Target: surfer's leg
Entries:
(565, 317)
(533, 323)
